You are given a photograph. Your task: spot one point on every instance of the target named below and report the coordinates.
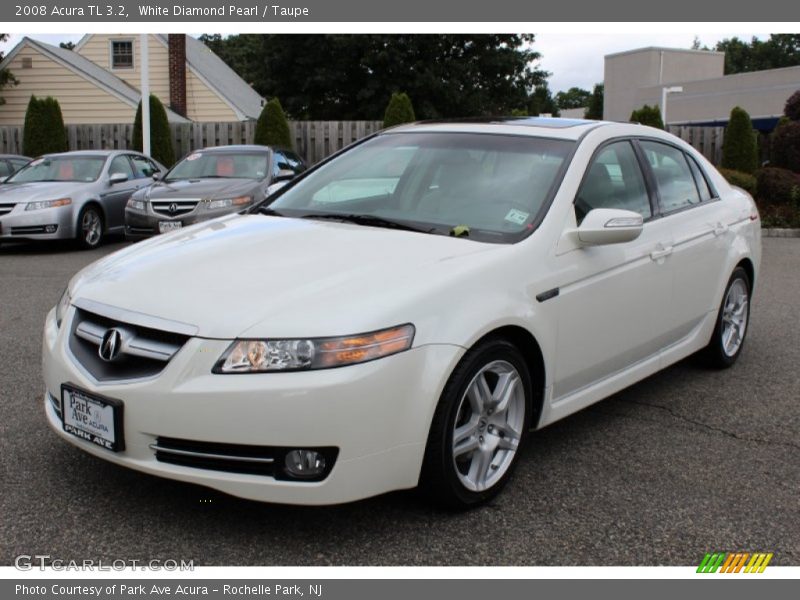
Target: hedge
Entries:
(399, 110)
(160, 135)
(740, 149)
(43, 131)
(777, 187)
(272, 128)
(743, 180)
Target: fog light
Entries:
(304, 463)
(50, 228)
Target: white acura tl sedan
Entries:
(406, 312)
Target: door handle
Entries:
(661, 253)
(720, 229)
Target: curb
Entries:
(775, 232)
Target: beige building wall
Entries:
(97, 48)
(627, 72)
(760, 93)
(81, 101)
(202, 102)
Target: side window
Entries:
(5, 169)
(613, 180)
(676, 184)
(295, 162)
(142, 166)
(121, 164)
(17, 164)
(700, 180)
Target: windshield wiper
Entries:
(368, 220)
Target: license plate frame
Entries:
(104, 412)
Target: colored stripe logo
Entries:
(734, 562)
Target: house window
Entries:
(27, 62)
(121, 54)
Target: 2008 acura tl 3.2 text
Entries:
(405, 312)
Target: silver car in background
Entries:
(73, 195)
(207, 184)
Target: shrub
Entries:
(648, 115)
(272, 128)
(399, 110)
(160, 134)
(43, 131)
(739, 149)
(777, 187)
(743, 180)
(792, 108)
(786, 146)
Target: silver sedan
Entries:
(73, 195)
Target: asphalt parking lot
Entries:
(687, 462)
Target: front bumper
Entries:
(46, 224)
(142, 224)
(377, 414)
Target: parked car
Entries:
(207, 184)
(10, 164)
(73, 195)
(405, 312)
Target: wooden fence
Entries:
(708, 141)
(313, 140)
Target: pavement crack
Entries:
(732, 434)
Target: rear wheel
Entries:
(732, 321)
(479, 426)
(90, 227)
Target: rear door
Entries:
(614, 302)
(696, 217)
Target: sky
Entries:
(574, 60)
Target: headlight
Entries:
(259, 356)
(136, 204)
(62, 306)
(226, 202)
(40, 204)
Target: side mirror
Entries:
(157, 175)
(283, 175)
(609, 226)
(117, 178)
(274, 187)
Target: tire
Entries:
(89, 229)
(733, 320)
(480, 463)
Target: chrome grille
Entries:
(175, 208)
(141, 351)
(6, 208)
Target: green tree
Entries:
(43, 131)
(594, 110)
(399, 110)
(792, 107)
(574, 97)
(648, 115)
(739, 148)
(448, 75)
(160, 134)
(779, 50)
(541, 101)
(7, 78)
(272, 128)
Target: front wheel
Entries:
(732, 321)
(90, 228)
(479, 426)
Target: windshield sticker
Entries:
(517, 217)
(194, 156)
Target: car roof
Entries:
(551, 127)
(14, 156)
(236, 148)
(100, 153)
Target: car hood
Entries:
(44, 190)
(256, 276)
(201, 188)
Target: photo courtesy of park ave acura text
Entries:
(378, 299)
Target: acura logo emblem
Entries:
(111, 345)
(173, 208)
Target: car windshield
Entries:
(60, 168)
(483, 187)
(235, 165)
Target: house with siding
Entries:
(98, 81)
